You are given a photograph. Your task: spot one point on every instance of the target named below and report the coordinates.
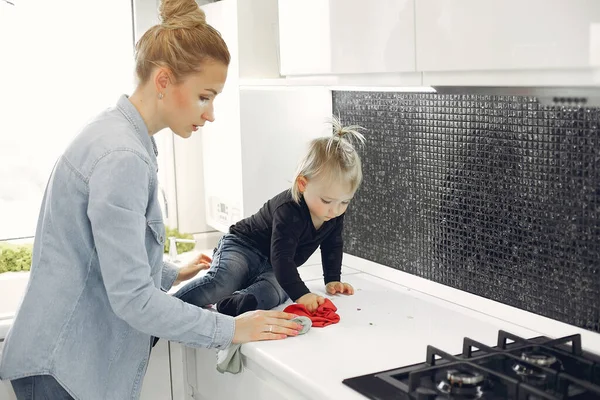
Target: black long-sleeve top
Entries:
(283, 231)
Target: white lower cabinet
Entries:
(157, 382)
(6, 392)
(204, 382)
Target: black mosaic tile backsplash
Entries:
(494, 195)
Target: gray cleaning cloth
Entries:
(230, 359)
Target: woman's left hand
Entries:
(339, 287)
(199, 263)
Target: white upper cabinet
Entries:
(257, 38)
(558, 39)
(321, 37)
(443, 42)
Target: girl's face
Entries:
(325, 200)
(187, 105)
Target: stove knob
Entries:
(426, 394)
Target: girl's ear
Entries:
(301, 181)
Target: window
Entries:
(61, 63)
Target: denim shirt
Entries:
(97, 285)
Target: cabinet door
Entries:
(6, 392)
(157, 382)
(253, 383)
(346, 36)
(470, 35)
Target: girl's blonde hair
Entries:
(182, 42)
(332, 157)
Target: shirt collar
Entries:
(135, 118)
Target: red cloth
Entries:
(325, 314)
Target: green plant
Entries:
(181, 247)
(15, 257)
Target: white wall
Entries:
(189, 180)
(222, 147)
(278, 124)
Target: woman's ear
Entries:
(162, 79)
(301, 181)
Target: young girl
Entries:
(254, 266)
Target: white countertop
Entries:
(383, 326)
(387, 325)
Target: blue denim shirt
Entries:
(97, 285)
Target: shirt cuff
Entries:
(169, 275)
(332, 278)
(225, 329)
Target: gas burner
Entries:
(536, 377)
(463, 384)
(460, 378)
(537, 358)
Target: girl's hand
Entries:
(311, 301)
(339, 287)
(200, 263)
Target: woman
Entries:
(97, 286)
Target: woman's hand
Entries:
(264, 325)
(339, 287)
(200, 263)
(311, 301)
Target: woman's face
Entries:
(187, 105)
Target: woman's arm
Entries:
(118, 197)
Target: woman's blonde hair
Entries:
(181, 42)
(332, 157)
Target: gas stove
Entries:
(539, 368)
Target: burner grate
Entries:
(516, 369)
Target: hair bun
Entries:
(176, 14)
(350, 133)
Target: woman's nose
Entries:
(209, 114)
